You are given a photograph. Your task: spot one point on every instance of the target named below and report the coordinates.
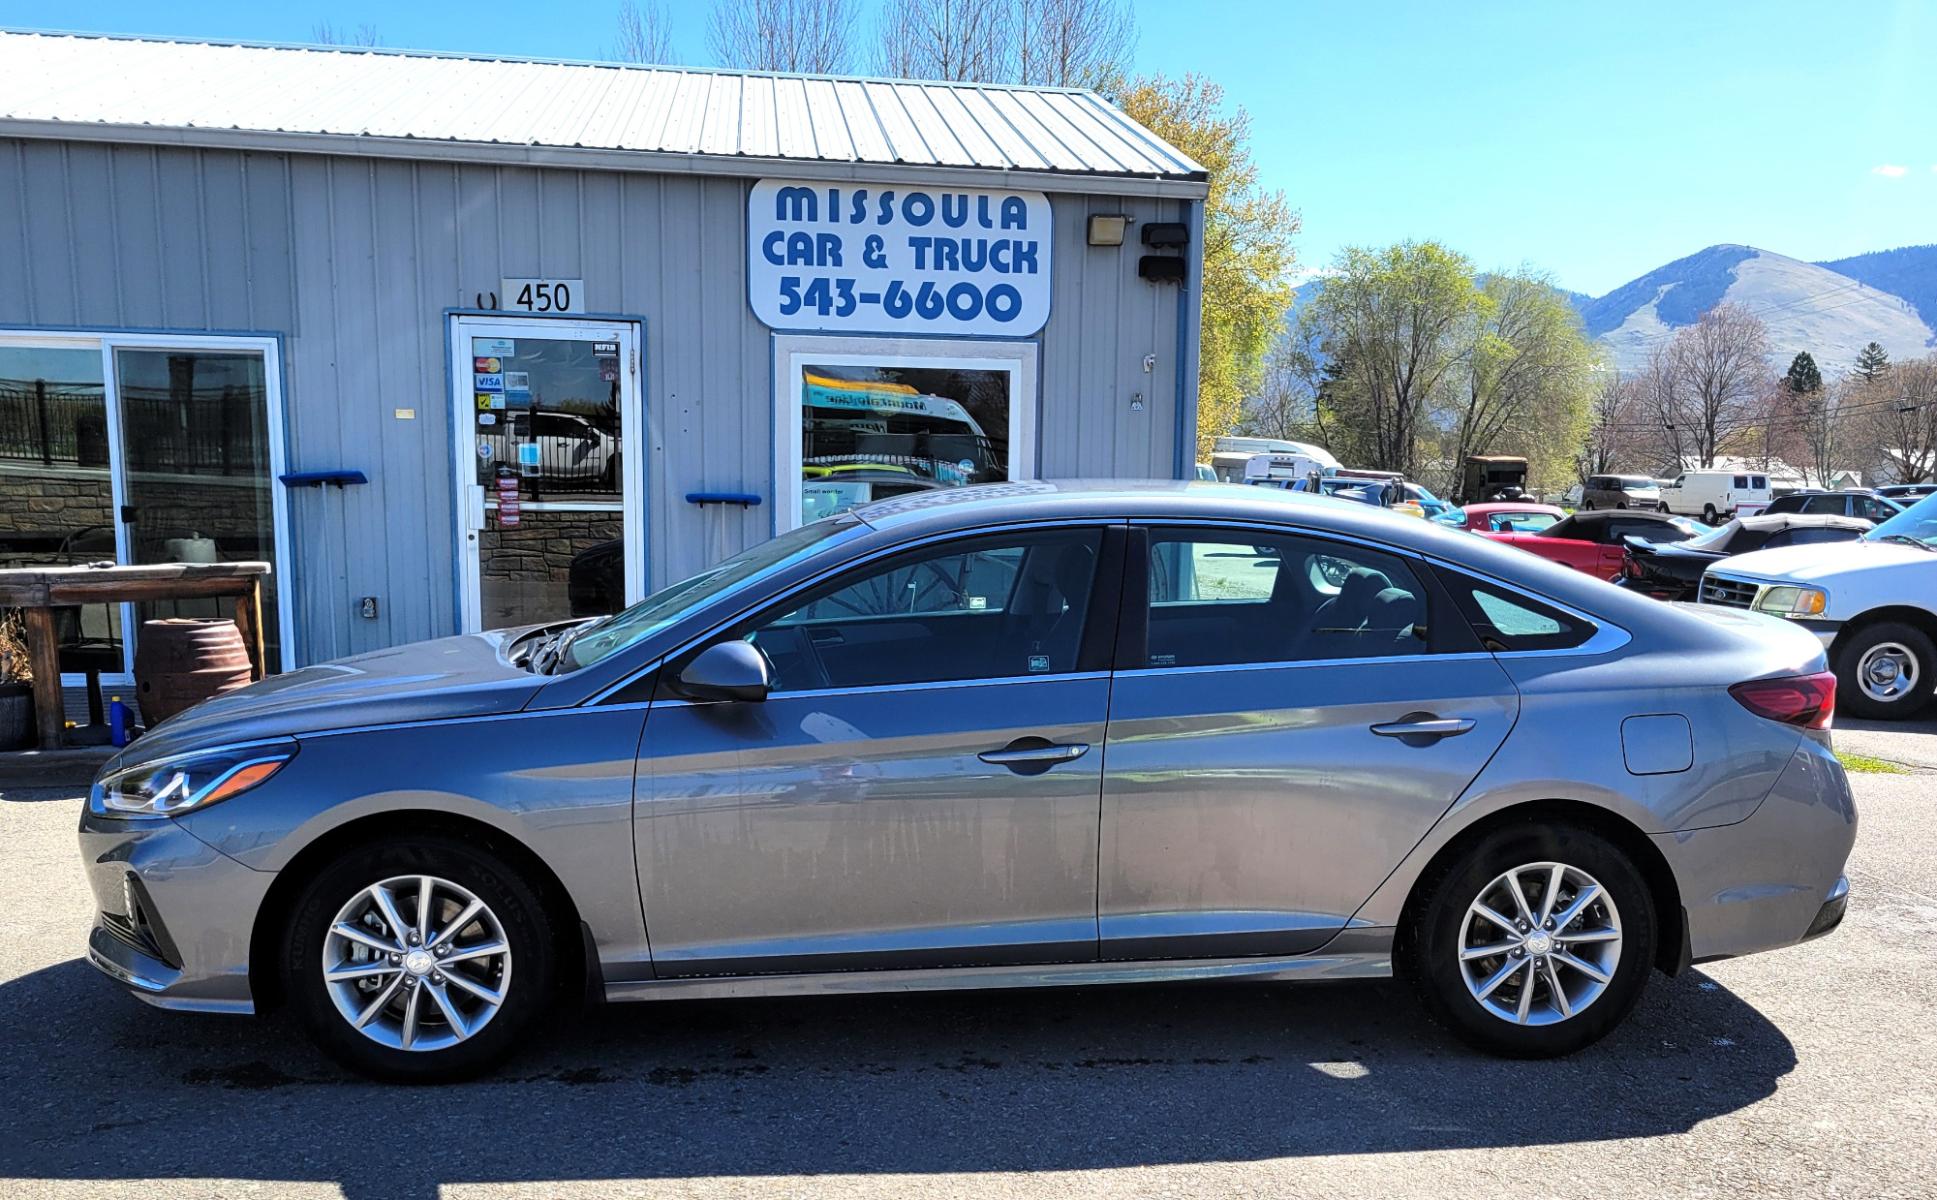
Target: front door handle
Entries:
(1424, 726)
(1034, 755)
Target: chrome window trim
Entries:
(930, 686)
(1284, 664)
(1089, 522)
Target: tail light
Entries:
(1805, 701)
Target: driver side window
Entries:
(990, 607)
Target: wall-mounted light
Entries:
(1166, 235)
(1108, 230)
(1161, 268)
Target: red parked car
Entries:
(1596, 542)
(1502, 516)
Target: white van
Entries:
(1715, 495)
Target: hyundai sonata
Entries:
(1018, 735)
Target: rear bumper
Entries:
(1775, 878)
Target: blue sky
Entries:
(1594, 141)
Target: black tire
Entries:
(1620, 504)
(609, 480)
(1428, 950)
(1850, 695)
(1587, 506)
(1709, 515)
(513, 902)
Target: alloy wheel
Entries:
(415, 962)
(1540, 943)
(1887, 672)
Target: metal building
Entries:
(460, 343)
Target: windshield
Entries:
(669, 604)
(1714, 539)
(1918, 523)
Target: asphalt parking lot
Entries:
(1809, 1070)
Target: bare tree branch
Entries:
(325, 34)
(815, 37)
(961, 40)
(644, 33)
(1074, 43)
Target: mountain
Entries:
(1908, 271)
(1821, 308)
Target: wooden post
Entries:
(43, 652)
(248, 622)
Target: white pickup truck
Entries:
(1873, 602)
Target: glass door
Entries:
(549, 496)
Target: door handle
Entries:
(1033, 755)
(1424, 725)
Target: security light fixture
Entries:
(1161, 268)
(1166, 235)
(1108, 230)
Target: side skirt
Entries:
(1358, 963)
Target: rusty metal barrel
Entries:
(182, 661)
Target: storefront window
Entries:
(195, 424)
(56, 495)
(137, 449)
(871, 432)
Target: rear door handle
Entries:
(1424, 725)
(1033, 755)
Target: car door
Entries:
(1289, 717)
(919, 789)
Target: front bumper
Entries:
(173, 915)
(1776, 877)
(1825, 631)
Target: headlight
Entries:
(1792, 602)
(170, 786)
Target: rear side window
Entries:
(1221, 597)
(1741, 481)
(1508, 621)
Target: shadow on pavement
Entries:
(99, 1087)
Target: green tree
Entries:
(1247, 242)
(1803, 378)
(1525, 380)
(1873, 363)
(1392, 324)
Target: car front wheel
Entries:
(1534, 942)
(1886, 671)
(419, 959)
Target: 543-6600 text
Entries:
(839, 297)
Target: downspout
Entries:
(1190, 317)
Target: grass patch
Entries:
(1863, 764)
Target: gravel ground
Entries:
(1812, 1070)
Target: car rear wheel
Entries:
(1709, 515)
(399, 957)
(1532, 943)
(1886, 671)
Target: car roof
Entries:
(1780, 521)
(1525, 506)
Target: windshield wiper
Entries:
(1906, 539)
(560, 644)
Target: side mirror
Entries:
(732, 670)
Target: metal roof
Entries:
(413, 104)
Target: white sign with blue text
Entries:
(927, 261)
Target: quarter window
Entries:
(987, 608)
(1509, 621)
(1228, 597)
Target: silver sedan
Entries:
(1019, 735)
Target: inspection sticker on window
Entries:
(1038, 663)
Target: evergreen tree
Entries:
(1803, 377)
(1873, 362)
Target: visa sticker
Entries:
(489, 381)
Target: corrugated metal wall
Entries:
(354, 261)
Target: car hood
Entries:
(1827, 562)
(423, 681)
